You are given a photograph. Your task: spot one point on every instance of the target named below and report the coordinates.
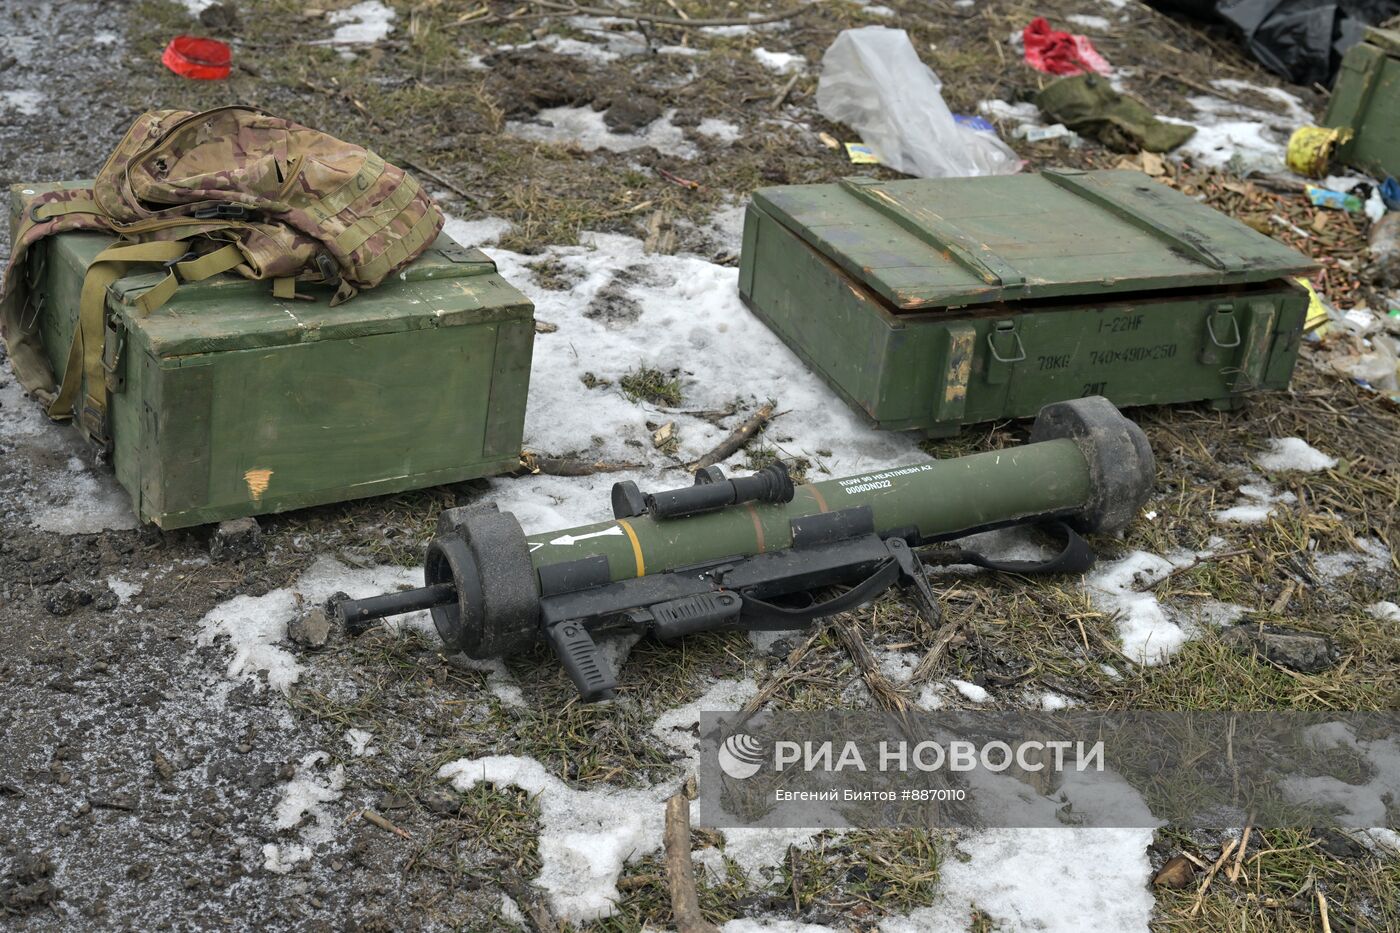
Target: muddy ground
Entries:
(140, 783)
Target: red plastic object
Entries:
(200, 59)
(1060, 53)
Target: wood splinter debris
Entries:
(736, 441)
(680, 868)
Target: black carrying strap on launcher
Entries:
(1075, 557)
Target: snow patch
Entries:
(362, 24)
(1148, 636)
(585, 128)
(1048, 880)
(680, 727)
(82, 502)
(254, 625)
(511, 913)
(359, 741)
(480, 232)
(1384, 610)
(196, 7)
(586, 836)
(722, 130)
(971, 691)
(1372, 557)
(1257, 502)
(781, 62)
(1097, 23)
(1294, 453)
(1364, 803)
(123, 590)
(688, 318)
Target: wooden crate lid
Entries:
(447, 286)
(930, 243)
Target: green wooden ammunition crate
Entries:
(930, 304)
(1366, 99)
(230, 402)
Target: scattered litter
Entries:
(1089, 104)
(1039, 134)
(861, 154)
(873, 81)
(1060, 53)
(1294, 453)
(197, 59)
(1334, 200)
(1310, 149)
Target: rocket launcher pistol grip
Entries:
(755, 552)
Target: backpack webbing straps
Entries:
(190, 270)
(84, 367)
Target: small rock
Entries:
(1176, 873)
(163, 766)
(219, 17)
(64, 598)
(310, 629)
(236, 540)
(631, 113)
(106, 601)
(441, 801)
(1299, 651)
(391, 800)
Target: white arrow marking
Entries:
(535, 546)
(574, 539)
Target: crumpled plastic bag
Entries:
(873, 81)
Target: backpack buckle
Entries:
(222, 212)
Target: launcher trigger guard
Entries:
(912, 575)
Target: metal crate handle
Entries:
(1234, 328)
(1020, 347)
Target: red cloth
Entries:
(1060, 53)
(200, 59)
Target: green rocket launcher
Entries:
(754, 552)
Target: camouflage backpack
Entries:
(230, 189)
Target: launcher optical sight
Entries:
(750, 552)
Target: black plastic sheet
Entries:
(1301, 40)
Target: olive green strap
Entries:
(84, 366)
(284, 288)
(191, 270)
